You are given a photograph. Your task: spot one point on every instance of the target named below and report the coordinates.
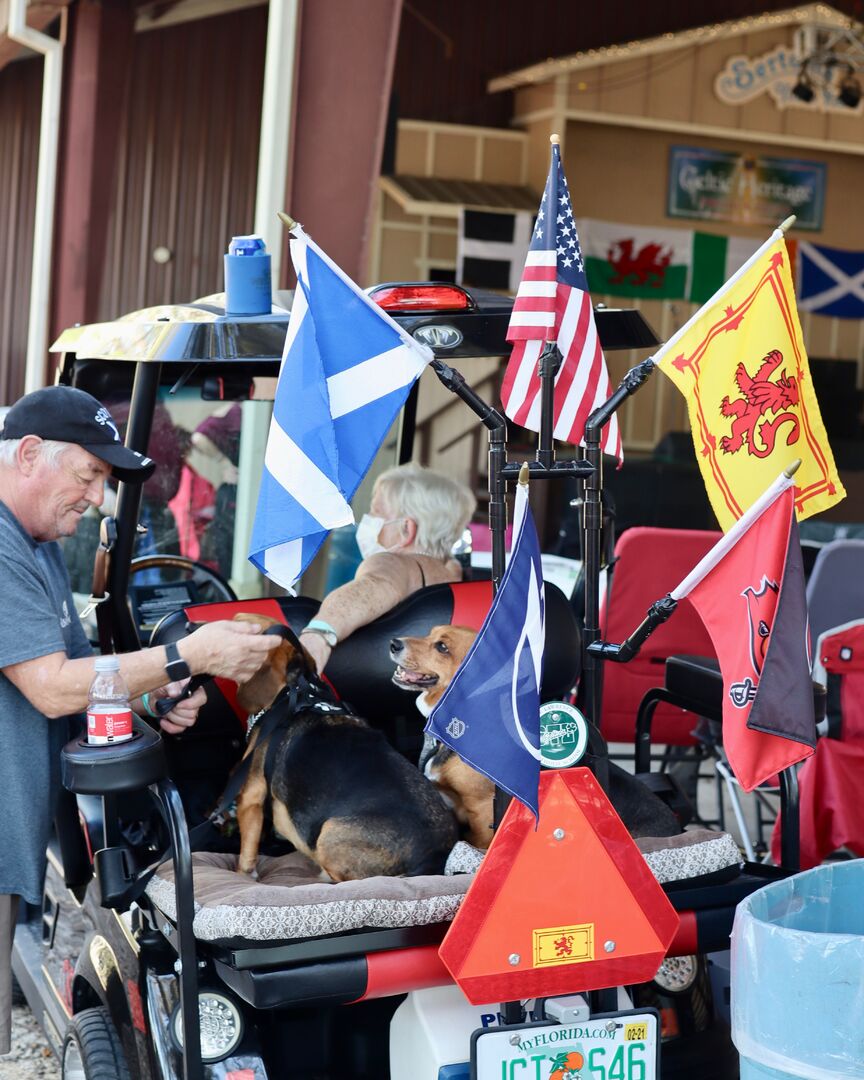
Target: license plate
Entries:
(616, 1046)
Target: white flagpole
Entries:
(778, 234)
(725, 543)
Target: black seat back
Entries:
(361, 671)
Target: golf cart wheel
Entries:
(91, 1049)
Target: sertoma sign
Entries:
(775, 73)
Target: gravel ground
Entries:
(31, 1058)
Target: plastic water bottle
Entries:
(248, 289)
(109, 715)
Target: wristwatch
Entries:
(324, 629)
(175, 665)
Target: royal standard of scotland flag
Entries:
(490, 713)
(346, 371)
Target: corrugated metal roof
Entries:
(445, 198)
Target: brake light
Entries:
(421, 298)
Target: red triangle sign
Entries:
(569, 907)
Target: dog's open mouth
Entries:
(414, 680)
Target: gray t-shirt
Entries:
(37, 617)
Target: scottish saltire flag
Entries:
(830, 281)
(490, 713)
(346, 371)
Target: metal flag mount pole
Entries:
(592, 666)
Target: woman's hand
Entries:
(318, 649)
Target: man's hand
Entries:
(230, 650)
(185, 712)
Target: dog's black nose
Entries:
(396, 645)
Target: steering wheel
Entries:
(210, 581)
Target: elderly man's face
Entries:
(67, 489)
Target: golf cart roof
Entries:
(202, 332)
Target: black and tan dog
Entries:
(427, 664)
(338, 791)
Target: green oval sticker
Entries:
(563, 735)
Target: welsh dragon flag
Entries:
(629, 260)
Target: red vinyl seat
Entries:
(650, 562)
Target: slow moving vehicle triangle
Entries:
(568, 907)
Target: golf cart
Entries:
(112, 961)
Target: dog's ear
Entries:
(259, 691)
(264, 621)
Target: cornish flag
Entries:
(490, 712)
(492, 248)
(347, 368)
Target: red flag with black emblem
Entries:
(750, 595)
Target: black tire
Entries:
(92, 1043)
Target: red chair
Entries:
(831, 808)
(650, 562)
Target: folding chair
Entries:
(648, 563)
(832, 812)
(835, 588)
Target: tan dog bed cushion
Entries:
(691, 855)
(289, 899)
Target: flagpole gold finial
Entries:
(555, 139)
(790, 470)
(786, 225)
(286, 220)
(524, 474)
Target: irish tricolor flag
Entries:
(716, 259)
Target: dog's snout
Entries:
(397, 646)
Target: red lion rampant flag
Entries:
(749, 591)
(553, 304)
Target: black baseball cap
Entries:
(66, 414)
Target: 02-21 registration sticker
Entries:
(620, 1046)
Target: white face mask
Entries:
(368, 531)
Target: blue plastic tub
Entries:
(798, 976)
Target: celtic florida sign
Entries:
(717, 185)
(775, 73)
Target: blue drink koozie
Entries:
(247, 277)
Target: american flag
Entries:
(553, 304)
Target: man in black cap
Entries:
(57, 448)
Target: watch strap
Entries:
(328, 632)
(175, 666)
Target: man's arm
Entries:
(57, 686)
(381, 582)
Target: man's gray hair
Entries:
(441, 506)
(51, 450)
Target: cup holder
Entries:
(126, 766)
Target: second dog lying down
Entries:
(338, 791)
(427, 664)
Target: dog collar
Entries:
(311, 706)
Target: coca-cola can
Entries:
(108, 724)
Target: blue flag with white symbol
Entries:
(490, 713)
(830, 281)
(347, 368)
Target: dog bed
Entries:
(289, 900)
